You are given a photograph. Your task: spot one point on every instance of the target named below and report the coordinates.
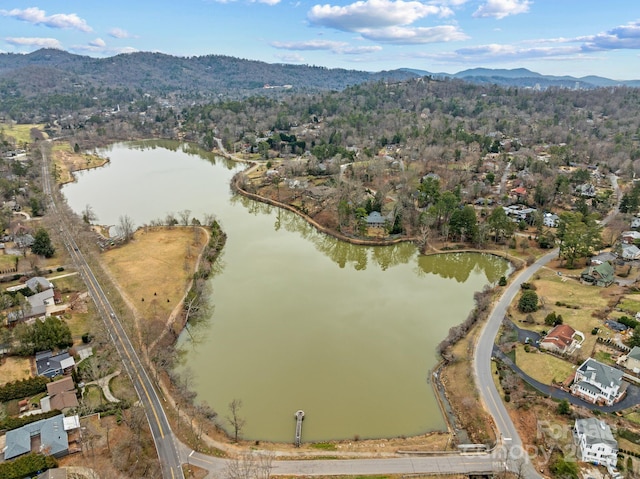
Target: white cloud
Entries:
(624, 37)
(119, 33)
(309, 45)
(98, 42)
(99, 48)
(369, 14)
(502, 8)
(326, 45)
(417, 35)
(34, 42)
(36, 16)
(290, 58)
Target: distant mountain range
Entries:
(522, 77)
(56, 71)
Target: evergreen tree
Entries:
(42, 244)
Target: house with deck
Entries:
(598, 383)
(595, 442)
(598, 275)
(562, 339)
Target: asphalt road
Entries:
(160, 429)
(508, 453)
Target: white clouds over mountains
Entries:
(36, 16)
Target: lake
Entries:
(299, 319)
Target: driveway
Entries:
(631, 399)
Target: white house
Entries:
(630, 252)
(635, 223)
(595, 442)
(598, 383)
(550, 220)
(629, 237)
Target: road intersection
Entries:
(508, 453)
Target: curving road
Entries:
(508, 453)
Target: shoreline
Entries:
(447, 410)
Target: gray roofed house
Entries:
(38, 283)
(596, 443)
(633, 360)
(598, 383)
(39, 302)
(24, 241)
(600, 258)
(53, 439)
(375, 219)
(630, 252)
(50, 366)
(57, 473)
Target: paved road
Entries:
(160, 428)
(172, 452)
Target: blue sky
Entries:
(558, 37)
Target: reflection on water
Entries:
(299, 320)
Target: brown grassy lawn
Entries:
(21, 133)
(153, 270)
(550, 289)
(121, 388)
(630, 303)
(66, 162)
(628, 445)
(543, 367)
(7, 261)
(79, 323)
(14, 368)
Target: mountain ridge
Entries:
(52, 70)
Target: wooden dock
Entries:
(299, 417)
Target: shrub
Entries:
(528, 302)
(502, 281)
(27, 465)
(23, 388)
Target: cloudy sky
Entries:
(559, 37)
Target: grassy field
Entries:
(7, 261)
(93, 396)
(543, 367)
(552, 289)
(21, 133)
(154, 269)
(66, 162)
(630, 303)
(121, 388)
(14, 368)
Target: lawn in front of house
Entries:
(578, 302)
(14, 368)
(542, 366)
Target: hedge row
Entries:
(10, 423)
(23, 388)
(26, 466)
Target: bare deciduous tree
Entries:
(234, 418)
(125, 227)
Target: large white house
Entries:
(598, 383)
(595, 442)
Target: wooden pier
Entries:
(299, 417)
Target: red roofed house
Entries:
(520, 191)
(562, 339)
